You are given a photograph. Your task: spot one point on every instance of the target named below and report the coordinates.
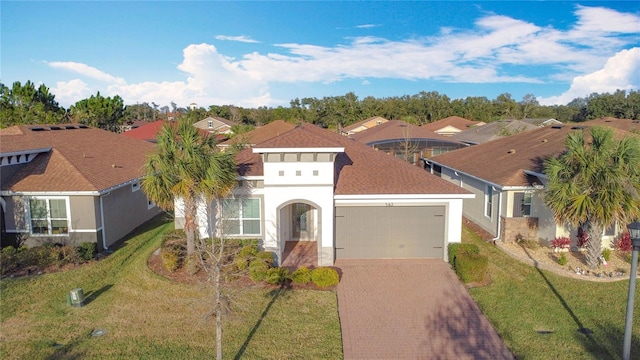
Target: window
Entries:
(48, 216)
(488, 201)
(522, 204)
(241, 216)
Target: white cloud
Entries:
(86, 70)
(621, 72)
(488, 53)
(242, 38)
(69, 92)
(367, 26)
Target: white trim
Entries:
(49, 193)
(299, 150)
(135, 186)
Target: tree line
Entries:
(31, 104)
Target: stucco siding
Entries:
(83, 212)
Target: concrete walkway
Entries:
(411, 309)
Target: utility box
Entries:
(77, 297)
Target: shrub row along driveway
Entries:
(411, 309)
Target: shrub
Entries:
(36, 256)
(277, 276)
(69, 255)
(301, 275)
(455, 248)
(87, 250)
(562, 260)
(561, 243)
(8, 260)
(266, 256)
(258, 270)
(471, 267)
(325, 277)
(583, 238)
(623, 243)
(606, 254)
(247, 251)
(171, 259)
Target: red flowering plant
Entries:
(561, 243)
(583, 238)
(623, 243)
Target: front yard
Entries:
(144, 315)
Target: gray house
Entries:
(71, 184)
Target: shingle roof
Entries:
(261, 134)
(455, 121)
(360, 123)
(504, 161)
(81, 159)
(360, 170)
(147, 131)
(492, 131)
(396, 130)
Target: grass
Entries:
(538, 313)
(144, 315)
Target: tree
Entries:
(594, 184)
(188, 166)
(103, 112)
(26, 104)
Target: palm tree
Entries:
(188, 166)
(595, 184)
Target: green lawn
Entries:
(146, 316)
(538, 313)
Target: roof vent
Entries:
(37, 129)
(55, 128)
(511, 151)
(577, 127)
(556, 126)
(69, 127)
(544, 140)
(83, 127)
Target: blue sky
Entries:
(254, 54)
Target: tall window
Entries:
(241, 216)
(48, 216)
(522, 204)
(488, 201)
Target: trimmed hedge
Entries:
(325, 277)
(455, 248)
(471, 267)
(258, 270)
(277, 276)
(301, 275)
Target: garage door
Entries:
(390, 232)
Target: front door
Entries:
(302, 222)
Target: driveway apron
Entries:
(411, 309)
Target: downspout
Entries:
(499, 222)
(104, 232)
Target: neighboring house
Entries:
(260, 134)
(492, 131)
(406, 141)
(542, 122)
(149, 131)
(451, 125)
(310, 184)
(363, 125)
(215, 124)
(507, 177)
(71, 184)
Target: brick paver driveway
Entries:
(411, 309)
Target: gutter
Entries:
(499, 222)
(104, 231)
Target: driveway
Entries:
(411, 309)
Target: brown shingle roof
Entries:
(455, 121)
(396, 130)
(81, 159)
(360, 170)
(261, 134)
(360, 123)
(503, 161)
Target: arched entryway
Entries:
(299, 234)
